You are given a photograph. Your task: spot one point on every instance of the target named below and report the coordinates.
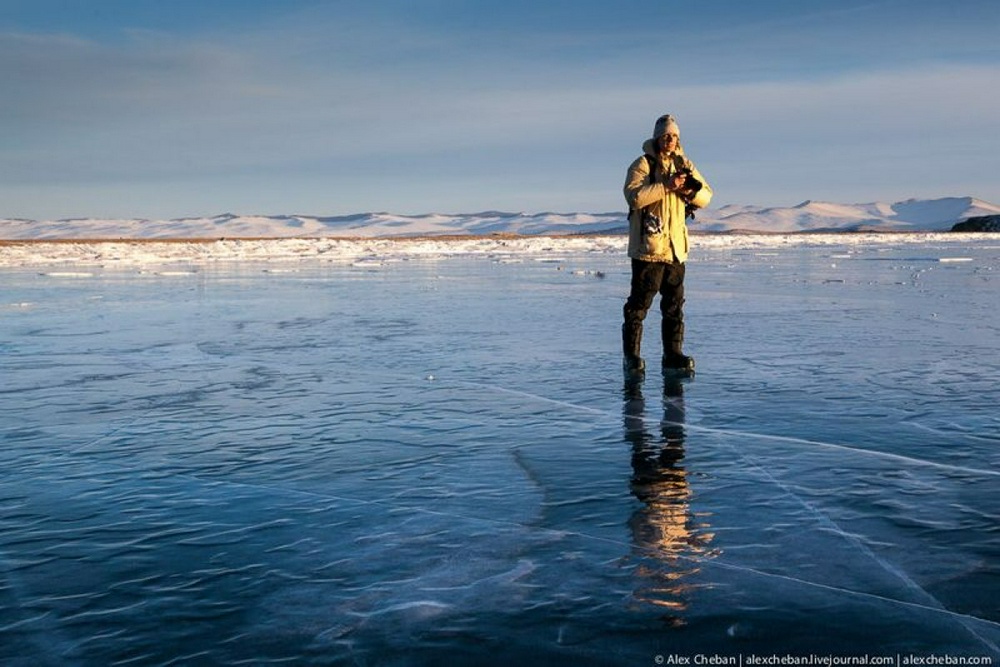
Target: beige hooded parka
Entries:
(645, 190)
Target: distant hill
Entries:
(814, 216)
(809, 216)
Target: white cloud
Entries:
(318, 113)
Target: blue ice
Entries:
(407, 462)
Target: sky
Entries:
(152, 109)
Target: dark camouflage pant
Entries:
(648, 280)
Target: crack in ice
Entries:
(745, 434)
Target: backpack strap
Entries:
(652, 166)
(651, 161)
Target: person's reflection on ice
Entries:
(668, 539)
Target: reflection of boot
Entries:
(631, 346)
(673, 394)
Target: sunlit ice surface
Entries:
(438, 461)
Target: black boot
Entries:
(674, 358)
(673, 362)
(631, 344)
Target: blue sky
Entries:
(146, 108)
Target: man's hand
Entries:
(677, 181)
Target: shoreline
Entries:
(143, 252)
(501, 236)
(262, 239)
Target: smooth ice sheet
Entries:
(399, 462)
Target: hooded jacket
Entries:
(647, 191)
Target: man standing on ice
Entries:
(662, 188)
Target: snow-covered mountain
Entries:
(811, 216)
(910, 215)
(364, 225)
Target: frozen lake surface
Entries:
(436, 461)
